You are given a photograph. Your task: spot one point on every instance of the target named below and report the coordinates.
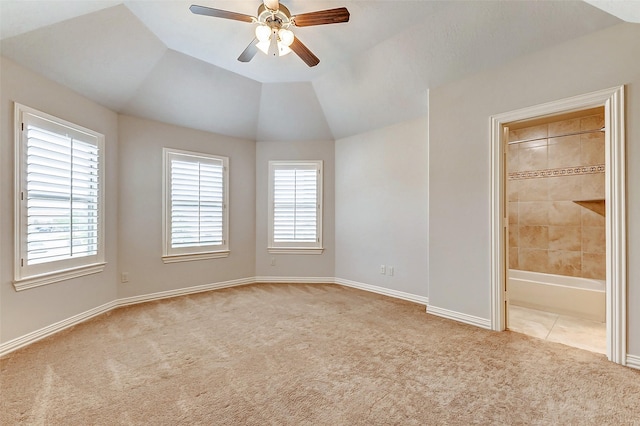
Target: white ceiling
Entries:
(157, 60)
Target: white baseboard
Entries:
(182, 291)
(460, 317)
(633, 361)
(51, 329)
(293, 280)
(384, 291)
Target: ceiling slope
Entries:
(19, 17)
(103, 55)
(291, 112)
(388, 84)
(157, 60)
(188, 92)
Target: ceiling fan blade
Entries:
(271, 4)
(249, 52)
(322, 17)
(218, 13)
(304, 53)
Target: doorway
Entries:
(611, 103)
(556, 245)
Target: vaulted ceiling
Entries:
(155, 59)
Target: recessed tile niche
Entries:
(556, 195)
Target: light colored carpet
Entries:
(300, 354)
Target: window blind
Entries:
(62, 192)
(295, 204)
(197, 202)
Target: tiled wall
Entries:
(548, 232)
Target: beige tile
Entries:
(532, 158)
(534, 132)
(512, 158)
(593, 265)
(564, 188)
(534, 260)
(513, 258)
(533, 237)
(592, 149)
(513, 213)
(594, 239)
(513, 236)
(565, 238)
(580, 333)
(563, 262)
(591, 218)
(564, 127)
(530, 321)
(592, 122)
(533, 189)
(533, 143)
(512, 189)
(564, 152)
(533, 212)
(565, 213)
(593, 186)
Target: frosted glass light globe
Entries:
(263, 33)
(286, 37)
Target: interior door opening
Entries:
(611, 102)
(556, 245)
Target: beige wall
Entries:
(294, 265)
(382, 207)
(547, 173)
(140, 195)
(29, 310)
(460, 158)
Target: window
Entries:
(59, 193)
(295, 207)
(195, 208)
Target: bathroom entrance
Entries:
(546, 230)
(556, 246)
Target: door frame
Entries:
(615, 209)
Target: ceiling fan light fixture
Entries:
(286, 37)
(263, 33)
(283, 50)
(264, 46)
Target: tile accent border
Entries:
(566, 171)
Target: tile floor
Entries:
(576, 332)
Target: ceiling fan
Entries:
(272, 35)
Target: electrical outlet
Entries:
(390, 270)
(382, 269)
(273, 261)
(124, 277)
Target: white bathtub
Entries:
(578, 297)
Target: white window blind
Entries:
(62, 196)
(196, 216)
(59, 220)
(296, 207)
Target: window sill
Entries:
(189, 257)
(295, 250)
(54, 277)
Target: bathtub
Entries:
(578, 297)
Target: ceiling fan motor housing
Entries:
(280, 18)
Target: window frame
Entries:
(30, 276)
(292, 247)
(192, 253)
